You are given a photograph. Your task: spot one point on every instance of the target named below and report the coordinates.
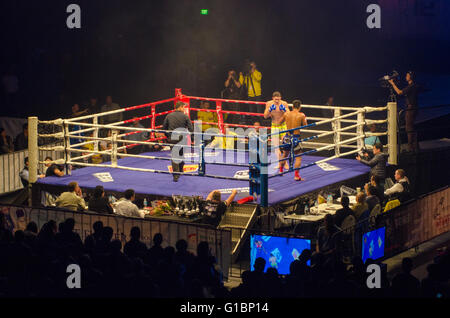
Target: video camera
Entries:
(384, 80)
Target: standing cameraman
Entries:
(410, 92)
(232, 86)
(252, 80)
(232, 91)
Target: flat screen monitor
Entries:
(279, 252)
(373, 244)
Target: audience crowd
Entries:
(35, 262)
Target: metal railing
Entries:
(12, 163)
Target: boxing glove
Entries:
(282, 108)
(272, 108)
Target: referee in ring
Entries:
(173, 121)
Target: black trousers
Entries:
(410, 116)
(176, 166)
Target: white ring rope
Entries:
(117, 126)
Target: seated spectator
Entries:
(24, 174)
(372, 140)
(372, 197)
(361, 206)
(99, 203)
(110, 106)
(206, 117)
(326, 240)
(141, 136)
(401, 189)
(21, 141)
(76, 112)
(6, 143)
(341, 214)
(377, 163)
(52, 169)
(160, 139)
(126, 207)
(215, 208)
(93, 107)
(94, 158)
(375, 181)
(134, 247)
(224, 142)
(72, 199)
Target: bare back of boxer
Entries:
(293, 119)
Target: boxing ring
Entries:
(248, 163)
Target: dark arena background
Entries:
(362, 222)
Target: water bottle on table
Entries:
(145, 203)
(329, 200)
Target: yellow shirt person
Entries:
(224, 142)
(253, 82)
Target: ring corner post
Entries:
(264, 173)
(264, 187)
(392, 133)
(360, 129)
(67, 153)
(96, 132)
(114, 134)
(33, 155)
(153, 122)
(220, 117)
(336, 125)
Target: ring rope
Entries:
(313, 163)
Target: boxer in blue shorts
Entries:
(293, 119)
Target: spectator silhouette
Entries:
(156, 251)
(182, 255)
(90, 242)
(134, 247)
(404, 284)
(245, 289)
(68, 239)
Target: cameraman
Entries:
(232, 91)
(251, 79)
(410, 92)
(232, 86)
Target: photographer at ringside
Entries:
(250, 78)
(232, 91)
(410, 92)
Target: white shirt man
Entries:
(126, 207)
(399, 186)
